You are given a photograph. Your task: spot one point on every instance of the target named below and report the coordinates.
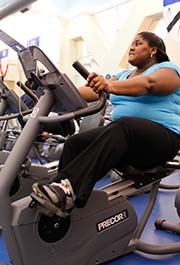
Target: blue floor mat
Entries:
(3, 253)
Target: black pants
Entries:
(87, 157)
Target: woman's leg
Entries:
(135, 141)
(75, 145)
(138, 142)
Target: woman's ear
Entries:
(153, 51)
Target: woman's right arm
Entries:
(88, 94)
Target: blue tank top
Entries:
(161, 109)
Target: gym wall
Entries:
(98, 35)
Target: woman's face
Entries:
(140, 52)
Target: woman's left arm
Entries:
(161, 82)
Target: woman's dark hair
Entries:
(155, 41)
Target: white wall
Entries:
(106, 34)
(29, 26)
(109, 32)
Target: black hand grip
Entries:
(81, 69)
(28, 92)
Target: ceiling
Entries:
(70, 7)
(62, 8)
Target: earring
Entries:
(151, 55)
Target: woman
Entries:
(144, 132)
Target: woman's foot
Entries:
(55, 198)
